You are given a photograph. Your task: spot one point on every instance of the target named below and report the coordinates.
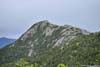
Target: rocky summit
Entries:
(43, 42)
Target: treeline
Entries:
(25, 63)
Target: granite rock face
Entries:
(41, 39)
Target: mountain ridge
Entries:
(41, 42)
(4, 41)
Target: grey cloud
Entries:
(18, 15)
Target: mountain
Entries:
(48, 45)
(4, 41)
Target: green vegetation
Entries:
(82, 50)
(60, 65)
(25, 63)
(22, 63)
(51, 45)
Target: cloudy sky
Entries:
(16, 16)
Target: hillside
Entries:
(48, 45)
(82, 50)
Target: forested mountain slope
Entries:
(48, 45)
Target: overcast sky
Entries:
(16, 16)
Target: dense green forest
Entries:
(82, 50)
